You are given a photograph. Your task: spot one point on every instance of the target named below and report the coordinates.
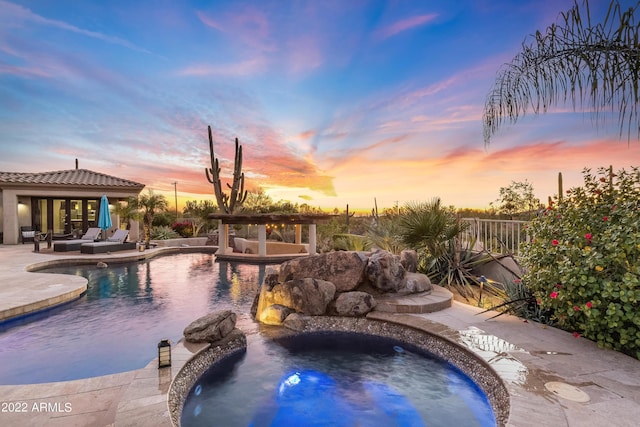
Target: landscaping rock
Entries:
(296, 322)
(416, 282)
(211, 327)
(275, 314)
(306, 296)
(385, 271)
(270, 277)
(409, 260)
(344, 269)
(354, 304)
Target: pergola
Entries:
(262, 220)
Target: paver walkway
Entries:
(526, 355)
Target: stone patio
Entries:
(526, 355)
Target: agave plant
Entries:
(434, 232)
(163, 232)
(455, 268)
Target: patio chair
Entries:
(91, 235)
(117, 242)
(27, 234)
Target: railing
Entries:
(496, 235)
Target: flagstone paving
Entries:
(525, 354)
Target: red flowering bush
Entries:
(184, 229)
(584, 263)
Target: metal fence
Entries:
(496, 235)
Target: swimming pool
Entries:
(335, 380)
(127, 309)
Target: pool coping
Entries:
(33, 293)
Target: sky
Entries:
(334, 102)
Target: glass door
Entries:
(60, 217)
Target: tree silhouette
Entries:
(594, 66)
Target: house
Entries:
(60, 202)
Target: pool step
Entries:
(437, 299)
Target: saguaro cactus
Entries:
(559, 186)
(348, 216)
(227, 203)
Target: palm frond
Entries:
(595, 68)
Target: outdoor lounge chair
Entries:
(117, 242)
(27, 234)
(91, 235)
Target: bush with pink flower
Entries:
(589, 245)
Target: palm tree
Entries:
(149, 205)
(594, 66)
(127, 212)
(429, 226)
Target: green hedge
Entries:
(584, 260)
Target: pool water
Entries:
(127, 309)
(335, 380)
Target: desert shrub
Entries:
(584, 261)
(350, 242)
(385, 234)
(163, 233)
(184, 228)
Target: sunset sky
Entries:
(334, 101)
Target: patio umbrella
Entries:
(104, 216)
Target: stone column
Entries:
(134, 233)
(312, 239)
(262, 240)
(10, 223)
(223, 238)
(298, 228)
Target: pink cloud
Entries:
(404, 25)
(304, 54)
(244, 68)
(248, 25)
(209, 21)
(305, 135)
(19, 14)
(22, 71)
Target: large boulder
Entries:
(354, 304)
(385, 271)
(409, 260)
(307, 296)
(275, 314)
(344, 269)
(296, 322)
(270, 277)
(415, 283)
(211, 327)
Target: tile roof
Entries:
(67, 177)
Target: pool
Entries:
(335, 380)
(115, 327)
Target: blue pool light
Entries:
(311, 398)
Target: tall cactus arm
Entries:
(227, 203)
(213, 176)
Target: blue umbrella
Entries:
(104, 216)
